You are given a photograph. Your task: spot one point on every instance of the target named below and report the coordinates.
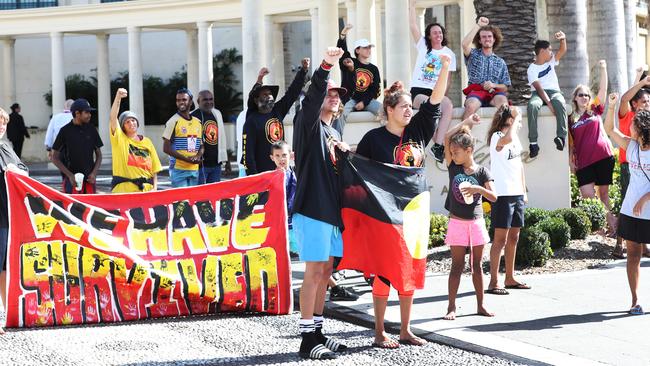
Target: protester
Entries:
(56, 122)
(487, 73)
(359, 72)
(426, 71)
(214, 139)
(546, 90)
(9, 161)
(264, 119)
(469, 183)
(402, 142)
(637, 98)
(77, 150)
(590, 151)
(635, 212)
(16, 130)
(281, 156)
(317, 213)
(183, 143)
(510, 186)
(135, 160)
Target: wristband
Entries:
(326, 66)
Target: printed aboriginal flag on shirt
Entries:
(385, 211)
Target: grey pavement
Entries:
(572, 318)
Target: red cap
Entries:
(332, 86)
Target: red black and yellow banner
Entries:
(386, 218)
(79, 259)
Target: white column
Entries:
(274, 52)
(136, 98)
(365, 23)
(397, 48)
(328, 28)
(468, 20)
(103, 90)
(351, 7)
(316, 52)
(253, 45)
(377, 38)
(192, 60)
(58, 75)
(206, 76)
(8, 72)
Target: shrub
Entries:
(577, 220)
(533, 215)
(534, 247)
(575, 191)
(596, 212)
(438, 230)
(558, 231)
(489, 227)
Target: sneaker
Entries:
(340, 293)
(438, 152)
(534, 150)
(559, 143)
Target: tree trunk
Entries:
(570, 16)
(630, 40)
(518, 25)
(606, 40)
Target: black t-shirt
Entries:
(78, 143)
(364, 82)
(455, 202)
(381, 145)
(318, 194)
(210, 137)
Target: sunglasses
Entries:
(583, 95)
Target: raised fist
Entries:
(348, 63)
(560, 35)
(122, 93)
(483, 21)
(332, 55)
(263, 72)
(612, 99)
(445, 59)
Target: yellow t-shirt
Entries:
(185, 137)
(133, 159)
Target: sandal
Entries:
(415, 341)
(497, 291)
(618, 253)
(636, 310)
(386, 344)
(519, 286)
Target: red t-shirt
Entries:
(624, 124)
(589, 141)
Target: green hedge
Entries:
(438, 230)
(596, 212)
(577, 220)
(558, 231)
(534, 247)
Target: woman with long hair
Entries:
(634, 220)
(510, 186)
(401, 141)
(590, 152)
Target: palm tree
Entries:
(570, 16)
(518, 26)
(630, 39)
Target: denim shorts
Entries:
(317, 240)
(183, 178)
(508, 211)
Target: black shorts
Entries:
(633, 229)
(599, 173)
(507, 212)
(417, 91)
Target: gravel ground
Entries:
(226, 339)
(593, 252)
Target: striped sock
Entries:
(318, 321)
(306, 326)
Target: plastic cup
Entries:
(469, 198)
(79, 180)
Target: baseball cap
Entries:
(81, 105)
(331, 85)
(362, 43)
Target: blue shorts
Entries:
(183, 178)
(317, 240)
(293, 244)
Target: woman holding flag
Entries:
(402, 141)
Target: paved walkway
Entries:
(574, 318)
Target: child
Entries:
(468, 182)
(281, 156)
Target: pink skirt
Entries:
(466, 233)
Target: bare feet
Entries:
(384, 341)
(451, 313)
(411, 339)
(483, 312)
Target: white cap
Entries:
(362, 43)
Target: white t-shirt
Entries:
(506, 166)
(545, 74)
(639, 162)
(428, 65)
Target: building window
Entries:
(26, 4)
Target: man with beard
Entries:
(183, 143)
(214, 139)
(264, 126)
(78, 141)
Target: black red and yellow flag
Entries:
(385, 211)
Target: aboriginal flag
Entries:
(385, 210)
